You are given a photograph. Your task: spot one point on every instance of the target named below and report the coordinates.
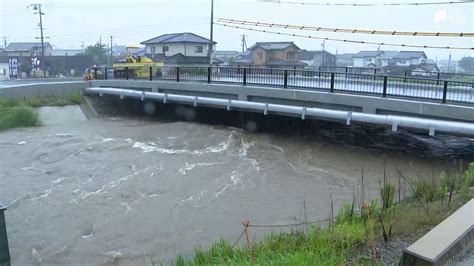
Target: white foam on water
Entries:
(59, 180)
(22, 143)
(127, 207)
(153, 147)
(87, 236)
(64, 135)
(234, 180)
(45, 194)
(108, 140)
(190, 166)
(196, 197)
(36, 256)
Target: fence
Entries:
(400, 72)
(376, 84)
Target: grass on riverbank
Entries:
(18, 117)
(16, 113)
(354, 237)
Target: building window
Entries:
(165, 49)
(153, 49)
(198, 49)
(403, 62)
(291, 56)
(369, 59)
(260, 55)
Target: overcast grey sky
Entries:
(71, 22)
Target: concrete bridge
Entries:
(346, 107)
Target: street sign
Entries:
(13, 65)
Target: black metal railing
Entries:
(4, 250)
(375, 83)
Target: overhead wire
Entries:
(346, 40)
(368, 4)
(342, 30)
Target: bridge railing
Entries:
(377, 84)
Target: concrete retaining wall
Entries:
(307, 98)
(42, 90)
(447, 240)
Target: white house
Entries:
(373, 58)
(409, 58)
(366, 58)
(187, 44)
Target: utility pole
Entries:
(38, 7)
(111, 50)
(244, 43)
(324, 53)
(212, 33)
(5, 41)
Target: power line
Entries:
(356, 31)
(344, 40)
(368, 4)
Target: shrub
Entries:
(18, 117)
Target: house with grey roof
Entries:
(317, 59)
(373, 59)
(409, 58)
(27, 49)
(184, 47)
(273, 55)
(366, 58)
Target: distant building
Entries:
(66, 52)
(374, 59)
(27, 49)
(384, 59)
(227, 57)
(179, 47)
(316, 59)
(345, 60)
(409, 58)
(366, 58)
(271, 55)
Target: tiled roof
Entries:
(273, 45)
(177, 38)
(24, 46)
(409, 54)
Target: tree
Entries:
(467, 63)
(98, 52)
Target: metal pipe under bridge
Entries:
(431, 126)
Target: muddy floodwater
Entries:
(133, 192)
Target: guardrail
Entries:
(4, 250)
(420, 89)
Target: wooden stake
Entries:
(249, 245)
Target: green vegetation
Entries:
(15, 113)
(18, 117)
(353, 235)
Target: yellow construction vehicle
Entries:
(136, 66)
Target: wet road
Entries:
(118, 190)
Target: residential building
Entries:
(316, 59)
(409, 58)
(385, 57)
(187, 44)
(345, 60)
(27, 49)
(227, 57)
(275, 55)
(66, 52)
(366, 58)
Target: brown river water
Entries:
(126, 191)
